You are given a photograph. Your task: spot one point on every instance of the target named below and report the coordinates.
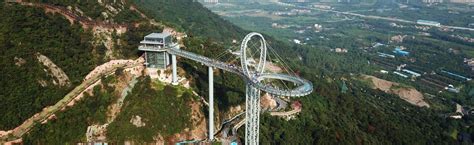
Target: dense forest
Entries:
(70, 126)
(121, 12)
(191, 17)
(24, 32)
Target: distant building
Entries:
(296, 41)
(211, 1)
(154, 46)
(341, 50)
(318, 27)
(454, 90)
(456, 75)
(412, 73)
(385, 55)
(400, 74)
(300, 11)
(456, 116)
(322, 6)
(400, 51)
(429, 23)
(433, 1)
(377, 45)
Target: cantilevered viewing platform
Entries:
(154, 46)
(156, 42)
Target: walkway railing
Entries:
(304, 89)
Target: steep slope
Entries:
(30, 30)
(191, 17)
(27, 86)
(87, 44)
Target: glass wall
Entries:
(156, 60)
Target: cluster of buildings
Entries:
(322, 7)
(428, 23)
(397, 25)
(292, 12)
(281, 26)
(467, 39)
(399, 51)
(406, 73)
(432, 1)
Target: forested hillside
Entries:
(329, 116)
(191, 17)
(25, 31)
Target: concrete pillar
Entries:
(175, 75)
(211, 104)
(146, 60)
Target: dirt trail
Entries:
(410, 95)
(91, 79)
(123, 87)
(296, 108)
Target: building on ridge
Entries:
(155, 54)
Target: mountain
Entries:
(103, 31)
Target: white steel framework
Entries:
(253, 74)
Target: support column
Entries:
(252, 115)
(211, 103)
(173, 65)
(146, 60)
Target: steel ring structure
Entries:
(255, 85)
(263, 55)
(254, 81)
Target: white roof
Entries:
(158, 35)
